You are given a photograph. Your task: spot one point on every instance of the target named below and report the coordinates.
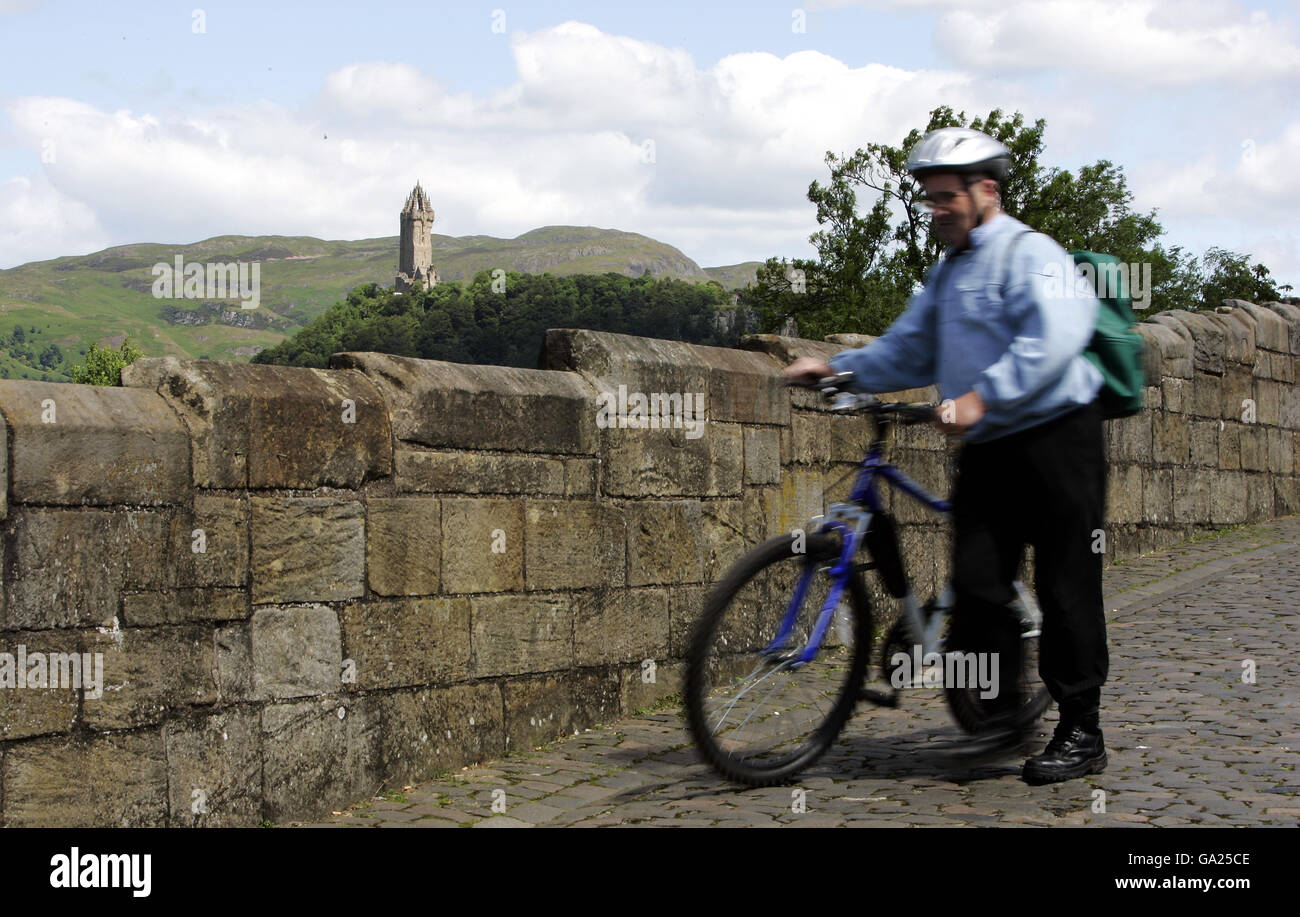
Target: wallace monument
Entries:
(415, 254)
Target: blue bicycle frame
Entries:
(851, 520)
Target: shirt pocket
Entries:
(979, 301)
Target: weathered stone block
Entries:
(1236, 393)
(404, 545)
(1170, 439)
(1254, 448)
(724, 536)
(214, 769)
(1259, 497)
(459, 406)
(69, 567)
(430, 731)
(79, 444)
(1207, 397)
(320, 755)
(307, 549)
(1289, 408)
(1205, 442)
(1230, 445)
(1238, 335)
(1191, 494)
(149, 671)
(482, 545)
(810, 439)
(1207, 340)
(1157, 496)
(637, 693)
(620, 625)
(273, 426)
(54, 657)
(685, 605)
(1228, 498)
(110, 781)
(404, 642)
(1128, 439)
(184, 606)
(1271, 330)
(1173, 392)
(234, 663)
(1166, 351)
(771, 511)
(580, 475)
(573, 545)
(211, 547)
(1281, 452)
(297, 652)
(429, 471)
(665, 542)
(541, 709)
(513, 634)
(762, 448)
(1124, 494)
(740, 386)
(1290, 313)
(1267, 401)
(662, 463)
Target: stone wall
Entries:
(306, 585)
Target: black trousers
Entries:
(1045, 486)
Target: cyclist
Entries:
(994, 329)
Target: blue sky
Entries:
(700, 124)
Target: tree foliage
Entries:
(104, 365)
(504, 323)
(869, 262)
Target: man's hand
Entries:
(807, 370)
(955, 417)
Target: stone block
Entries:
(431, 731)
(184, 606)
(69, 567)
(573, 545)
(431, 471)
(1170, 439)
(147, 673)
(1124, 494)
(89, 444)
(663, 463)
(47, 704)
(1157, 496)
(1227, 498)
(273, 426)
(665, 542)
(1205, 442)
(461, 406)
(210, 547)
(117, 780)
(620, 625)
(1167, 351)
(1229, 445)
(515, 634)
(307, 549)
(810, 439)
(1254, 448)
(404, 545)
(1272, 332)
(762, 450)
(234, 663)
(541, 709)
(214, 769)
(482, 545)
(1281, 452)
(297, 651)
(319, 755)
(406, 642)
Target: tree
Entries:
(104, 365)
(868, 265)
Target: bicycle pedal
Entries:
(879, 698)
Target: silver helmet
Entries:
(961, 150)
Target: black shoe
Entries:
(1073, 752)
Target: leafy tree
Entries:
(869, 263)
(104, 365)
(1229, 275)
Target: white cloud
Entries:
(32, 213)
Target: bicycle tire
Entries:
(974, 714)
(738, 622)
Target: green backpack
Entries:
(1116, 348)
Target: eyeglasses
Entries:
(930, 202)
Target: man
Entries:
(993, 328)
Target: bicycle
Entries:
(794, 667)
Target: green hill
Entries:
(72, 302)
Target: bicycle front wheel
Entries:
(757, 712)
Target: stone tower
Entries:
(415, 256)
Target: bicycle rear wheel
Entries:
(975, 713)
(756, 713)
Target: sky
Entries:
(700, 124)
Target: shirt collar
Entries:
(988, 229)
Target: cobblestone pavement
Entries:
(1190, 741)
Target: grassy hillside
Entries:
(101, 298)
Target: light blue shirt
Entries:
(1019, 346)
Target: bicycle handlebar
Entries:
(837, 389)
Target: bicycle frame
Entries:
(851, 520)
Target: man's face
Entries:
(956, 206)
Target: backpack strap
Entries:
(1008, 252)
